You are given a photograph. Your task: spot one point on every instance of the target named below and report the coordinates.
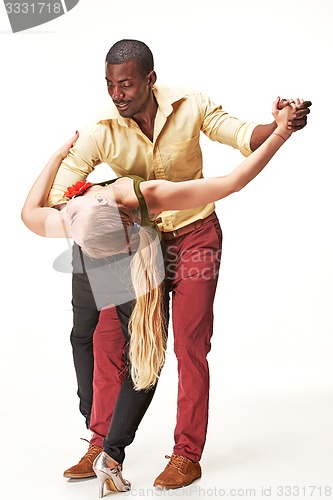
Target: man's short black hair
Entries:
(126, 50)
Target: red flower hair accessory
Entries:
(77, 189)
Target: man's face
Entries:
(128, 88)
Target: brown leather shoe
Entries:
(85, 466)
(179, 472)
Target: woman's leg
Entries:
(85, 319)
(130, 408)
(131, 404)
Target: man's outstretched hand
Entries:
(299, 118)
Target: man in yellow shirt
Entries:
(153, 132)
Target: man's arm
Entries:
(219, 126)
(297, 122)
(166, 195)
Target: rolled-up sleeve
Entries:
(219, 126)
(81, 160)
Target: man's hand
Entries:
(299, 117)
(282, 116)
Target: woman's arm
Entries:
(165, 195)
(38, 218)
(296, 122)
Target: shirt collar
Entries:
(165, 97)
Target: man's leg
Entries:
(109, 372)
(193, 262)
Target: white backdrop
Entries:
(271, 360)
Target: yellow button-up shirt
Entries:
(174, 154)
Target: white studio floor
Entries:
(260, 441)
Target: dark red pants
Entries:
(109, 372)
(192, 265)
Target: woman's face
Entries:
(78, 210)
(77, 216)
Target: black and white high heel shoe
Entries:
(108, 472)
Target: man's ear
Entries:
(151, 78)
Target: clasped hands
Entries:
(298, 119)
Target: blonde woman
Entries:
(118, 217)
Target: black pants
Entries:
(85, 319)
(111, 282)
(131, 405)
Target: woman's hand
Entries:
(283, 113)
(64, 150)
(299, 118)
(36, 216)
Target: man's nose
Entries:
(117, 94)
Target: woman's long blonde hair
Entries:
(109, 231)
